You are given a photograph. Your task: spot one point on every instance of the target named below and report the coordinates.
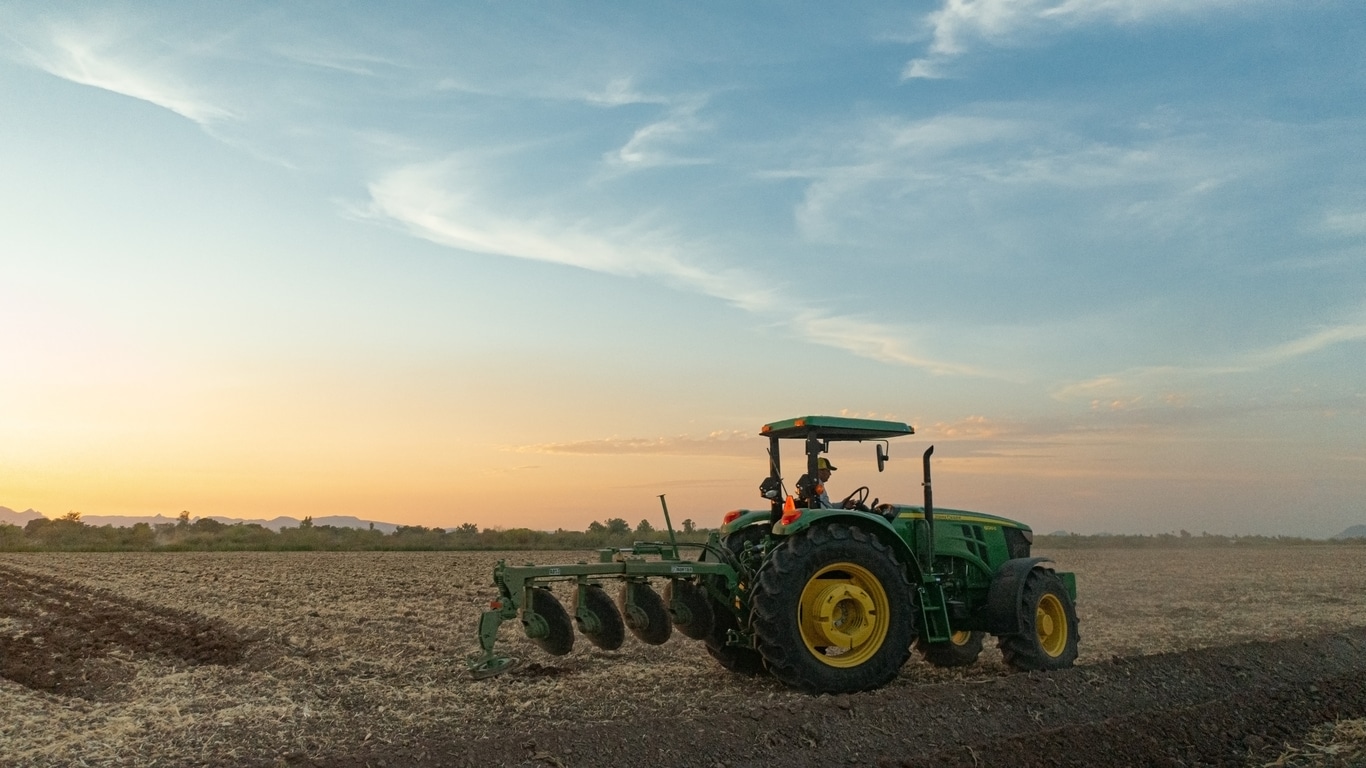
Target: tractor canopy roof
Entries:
(836, 428)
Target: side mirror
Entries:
(881, 456)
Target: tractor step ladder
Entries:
(934, 625)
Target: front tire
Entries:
(832, 611)
(1048, 626)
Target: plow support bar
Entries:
(514, 581)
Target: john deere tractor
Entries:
(826, 597)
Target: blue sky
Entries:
(535, 264)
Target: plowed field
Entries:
(1188, 657)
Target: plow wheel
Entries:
(597, 617)
(742, 661)
(646, 615)
(961, 650)
(689, 608)
(832, 611)
(1048, 626)
(550, 629)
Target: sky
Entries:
(536, 264)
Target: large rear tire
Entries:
(1048, 626)
(832, 611)
(961, 650)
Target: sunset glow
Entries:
(521, 266)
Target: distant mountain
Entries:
(1355, 532)
(337, 521)
(20, 519)
(8, 515)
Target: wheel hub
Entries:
(1050, 622)
(841, 615)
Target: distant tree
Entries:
(644, 527)
(11, 537)
(618, 526)
(467, 529)
(689, 526)
(141, 536)
(183, 519)
(71, 517)
(207, 525)
(596, 527)
(307, 522)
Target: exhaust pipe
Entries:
(928, 564)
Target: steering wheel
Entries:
(857, 499)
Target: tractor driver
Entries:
(823, 470)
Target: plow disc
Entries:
(524, 592)
(547, 624)
(646, 615)
(598, 619)
(689, 608)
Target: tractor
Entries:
(825, 597)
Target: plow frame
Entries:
(622, 564)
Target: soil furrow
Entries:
(1211, 707)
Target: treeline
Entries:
(1180, 540)
(69, 534)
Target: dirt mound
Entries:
(1215, 707)
(61, 637)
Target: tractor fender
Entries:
(746, 518)
(1000, 614)
(875, 524)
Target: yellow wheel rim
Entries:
(844, 612)
(1050, 622)
(960, 637)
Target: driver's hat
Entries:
(825, 464)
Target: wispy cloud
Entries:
(659, 143)
(621, 92)
(1345, 223)
(444, 202)
(348, 62)
(95, 60)
(874, 341)
(916, 175)
(1309, 343)
(959, 25)
(1164, 385)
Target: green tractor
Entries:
(826, 597)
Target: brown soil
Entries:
(342, 661)
(74, 636)
(1216, 707)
